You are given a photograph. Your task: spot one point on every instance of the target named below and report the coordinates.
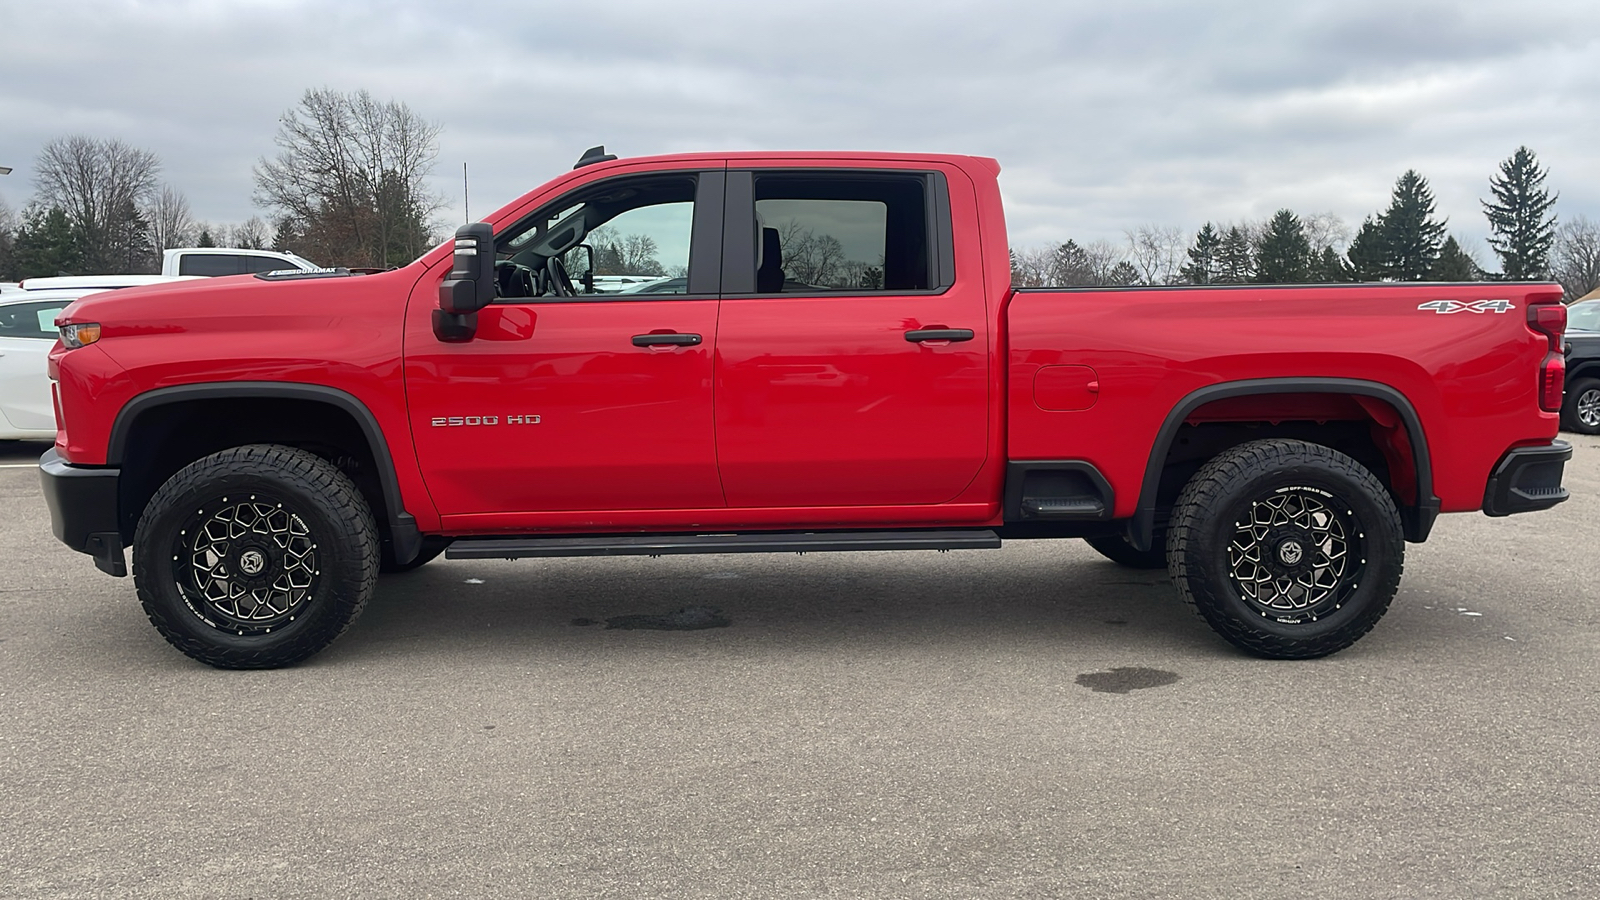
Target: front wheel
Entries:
(255, 557)
(1289, 550)
(1580, 411)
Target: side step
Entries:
(1063, 508)
(759, 542)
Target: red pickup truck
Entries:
(830, 356)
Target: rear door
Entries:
(852, 361)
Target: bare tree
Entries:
(1156, 252)
(251, 234)
(1030, 266)
(811, 258)
(101, 184)
(171, 224)
(349, 176)
(1324, 230)
(1095, 264)
(1576, 257)
(8, 240)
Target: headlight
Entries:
(81, 335)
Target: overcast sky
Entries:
(1104, 116)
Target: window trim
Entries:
(738, 243)
(705, 234)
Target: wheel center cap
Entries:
(251, 562)
(1290, 552)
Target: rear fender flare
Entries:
(1417, 520)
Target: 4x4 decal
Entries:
(1446, 307)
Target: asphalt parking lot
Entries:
(1027, 722)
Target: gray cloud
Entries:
(1103, 116)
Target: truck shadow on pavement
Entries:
(1059, 592)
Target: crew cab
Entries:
(215, 262)
(838, 361)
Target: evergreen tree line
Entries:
(346, 187)
(1407, 241)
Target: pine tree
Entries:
(1410, 236)
(47, 244)
(1328, 267)
(1284, 254)
(205, 239)
(1204, 265)
(1454, 264)
(1366, 253)
(1235, 262)
(1520, 221)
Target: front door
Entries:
(589, 396)
(852, 369)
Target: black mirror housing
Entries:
(469, 287)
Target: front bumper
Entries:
(83, 510)
(1527, 479)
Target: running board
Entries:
(758, 542)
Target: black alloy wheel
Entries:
(1289, 550)
(255, 557)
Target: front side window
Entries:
(619, 237)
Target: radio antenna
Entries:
(466, 201)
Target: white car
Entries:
(27, 332)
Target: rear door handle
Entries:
(939, 334)
(652, 340)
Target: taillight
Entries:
(1552, 382)
(1549, 318)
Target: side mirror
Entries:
(469, 287)
(585, 273)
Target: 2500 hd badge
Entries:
(453, 421)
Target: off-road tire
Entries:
(1116, 548)
(1293, 505)
(431, 548)
(1580, 411)
(289, 515)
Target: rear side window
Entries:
(831, 232)
(210, 265)
(30, 320)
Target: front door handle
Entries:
(939, 334)
(652, 340)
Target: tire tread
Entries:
(343, 501)
(1207, 491)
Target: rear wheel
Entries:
(1287, 549)
(1116, 548)
(1580, 411)
(255, 557)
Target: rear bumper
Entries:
(1527, 479)
(83, 510)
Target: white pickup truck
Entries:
(216, 261)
